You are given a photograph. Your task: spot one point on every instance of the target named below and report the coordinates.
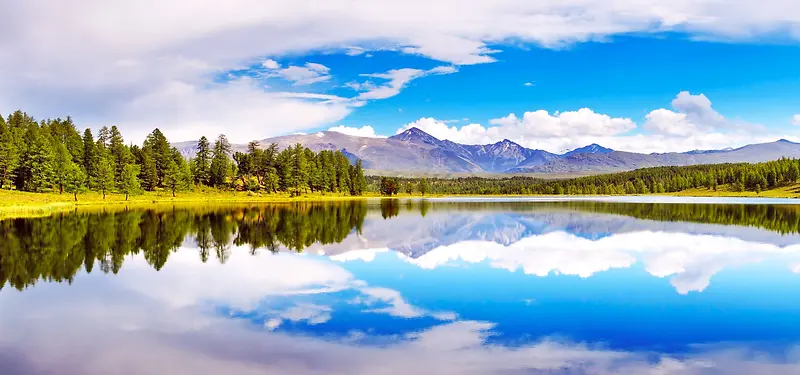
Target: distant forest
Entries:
(53, 156)
(732, 177)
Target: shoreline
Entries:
(14, 204)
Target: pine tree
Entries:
(202, 161)
(89, 162)
(129, 181)
(177, 177)
(298, 169)
(357, 179)
(104, 178)
(158, 148)
(793, 174)
(74, 180)
(35, 172)
(63, 159)
(120, 154)
(9, 154)
(220, 163)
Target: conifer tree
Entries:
(202, 161)
(89, 161)
(104, 178)
(129, 181)
(74, 180)
(62, 161)
(9, 155)
(220, 163)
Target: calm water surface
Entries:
(405, 287)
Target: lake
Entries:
(444, 286)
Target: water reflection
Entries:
(393, 287)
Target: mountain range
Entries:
(415, 151)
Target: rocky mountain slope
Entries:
(415, 151)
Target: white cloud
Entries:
(693, 125)
(796, 120)
(366, 255)
(303, 75)
(398, 306)
(91, 66)
(188, 111)
(565, 124)
(529, 84)
(364, 131)
(690, 260)
(395, 80)
(669, 123)
(694, 114)
(308, 312)
(270, 64)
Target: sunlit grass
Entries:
(24, 204)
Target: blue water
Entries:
(452, 292)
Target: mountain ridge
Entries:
(416, 151)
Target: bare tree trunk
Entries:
(76, 196)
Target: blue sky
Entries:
(645, 75)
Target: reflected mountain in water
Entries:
(54, 248)
(394, 287)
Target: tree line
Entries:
(735, 177)
(52, 155)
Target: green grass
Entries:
(24, 204)
(792, 191)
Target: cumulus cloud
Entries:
(270, 64)
(693, 114)
(364, 131)
(692, 125)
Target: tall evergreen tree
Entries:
(89, 160)
(62, 161)
(9, 154)
(74, 180)
(104, 178)
(202, 162)
(120, 153)
(129, 182)
(158, 147)
(220, 162)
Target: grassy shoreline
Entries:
(23, 204)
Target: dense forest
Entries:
(731, 177)
(52, 155)
(57, 247)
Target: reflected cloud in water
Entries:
(353, 288)
(125, 328)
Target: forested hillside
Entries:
(728, 177)
(52, 155)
